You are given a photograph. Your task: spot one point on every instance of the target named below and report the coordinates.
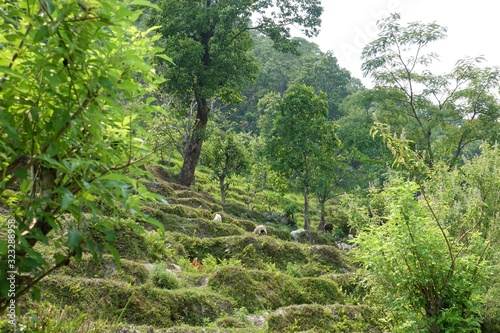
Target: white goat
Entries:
(260, 230)
(295, 233)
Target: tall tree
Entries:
(297, 141)
(329, 173)
(224, 155)
(442, 114)
(67, 129)
(209, 42)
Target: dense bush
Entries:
(162, 278)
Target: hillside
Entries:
(205, 276)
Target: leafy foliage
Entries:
(161, 278)
(302, 140)
(74, 83)
(428, 277)
(443, 115)
(225, 156)
(210, 42)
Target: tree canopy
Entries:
(209, 43)
(441, 114)
(301, 137)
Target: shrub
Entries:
(161, 278)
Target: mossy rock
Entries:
(197, 202)
(256, 290)
(209, 329)
(204, 228)
(255, 251)
(130, 243)
(243, 212)
(171, 222)
(161, 187)
(197, 306)
(160, 172)
(313, 237)
(130, 272)
(321, 290)
(230, 322)
(350, 283)
(200, 248)
(329, 255)
(204, 199)
(199, 227)
(246, 225)
(98, 296)
(178, 210)
(320, 318)
(143, 305)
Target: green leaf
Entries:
(50, 160)
(106, 83)
(21, 173)
(88, 196)
(155, 222)
(152, 29)
(36, 293)
(59, 257)
(129, 86)
(78, 252)
(50, 6)
(41, 34)
(161, 55)
(74, 238)
(67, 199)
(144, 3)
(3, 247)
(11, 72)
(115, 254)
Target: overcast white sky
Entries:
(473, 28)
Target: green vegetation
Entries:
(110, 217)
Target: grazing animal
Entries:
(218, 218)
(260, 230)
(328, 227)
(345, 246)
(295, 233)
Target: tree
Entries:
(278, 71)
(301, 137)
(443, 114)
(224, 155)
(69, 141)
(330, 171)
(209, 43)
(322, 72)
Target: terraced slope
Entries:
(208, 276)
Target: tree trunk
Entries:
(222, 190)
(307, 222)
(192, 149)
(321, 226)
